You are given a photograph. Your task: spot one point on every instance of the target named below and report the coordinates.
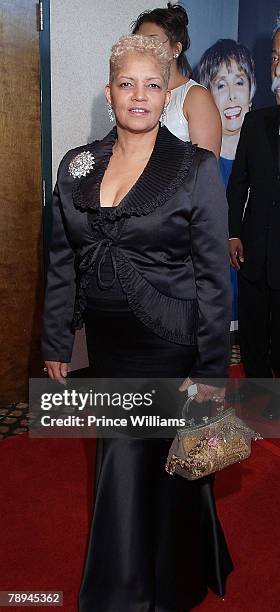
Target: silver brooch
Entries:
(81, 165)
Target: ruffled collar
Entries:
(166, 169)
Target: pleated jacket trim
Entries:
(157, 311)
(168, 166)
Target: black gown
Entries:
(156, 543)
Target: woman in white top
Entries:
(191, 113)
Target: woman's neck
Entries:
(229, 145)
(176, 77)
(135, 145)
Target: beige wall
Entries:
(82, 33)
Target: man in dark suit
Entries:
(254, 230)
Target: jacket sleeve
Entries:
(238, 185)
(209, 244)
(58, 338)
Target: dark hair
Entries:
(174, 21)
(276, 27)
(223, 52)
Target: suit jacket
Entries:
(256, 168)
(167, 240)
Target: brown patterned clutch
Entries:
(199, 450)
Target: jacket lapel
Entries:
(272, 132)
(167, 167)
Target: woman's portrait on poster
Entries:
(227, 69)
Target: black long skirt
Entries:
(156, 543)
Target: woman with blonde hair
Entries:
(139, 254)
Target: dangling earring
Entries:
(163, 117)
(110, 112)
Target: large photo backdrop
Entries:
(256, 22)
(237, 72)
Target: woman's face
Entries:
(155, 31)
(231, 92)
(138, 93)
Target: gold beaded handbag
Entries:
(199, 450)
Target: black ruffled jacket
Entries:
(168, 243)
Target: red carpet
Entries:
(45, 515)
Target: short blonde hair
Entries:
(140, 45)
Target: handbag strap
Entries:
(186, 406)
(221, 412)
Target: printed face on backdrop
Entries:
(231, 92)
(138, 93)
(275, 66)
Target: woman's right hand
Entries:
(204, 392)
(57, 370)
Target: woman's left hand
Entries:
(204, 392)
